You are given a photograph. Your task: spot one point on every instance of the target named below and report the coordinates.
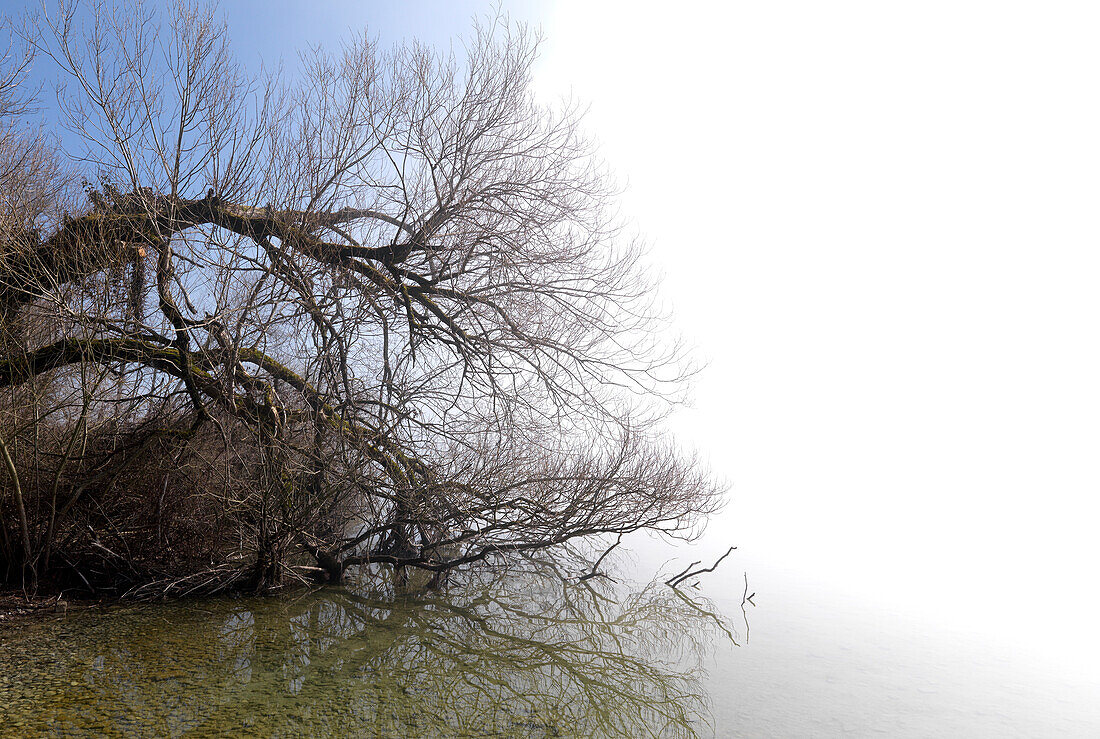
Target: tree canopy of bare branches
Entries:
(255, 328)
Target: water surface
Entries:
(497, 656)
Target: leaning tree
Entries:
(379, 312)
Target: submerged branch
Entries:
(687, 572)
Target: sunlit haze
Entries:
(878, 222)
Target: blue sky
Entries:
(273, 30)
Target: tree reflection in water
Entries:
(498, 654)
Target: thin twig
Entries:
(672, 582)
(596, 566)
(746, 598)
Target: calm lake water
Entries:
(498, 656)
(525, 655)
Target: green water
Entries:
(493, 656)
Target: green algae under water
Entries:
(498, 656)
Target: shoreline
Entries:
(18, 607)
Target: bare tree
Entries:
(380, 316)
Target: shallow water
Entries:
(503, 657)
(537, 655)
